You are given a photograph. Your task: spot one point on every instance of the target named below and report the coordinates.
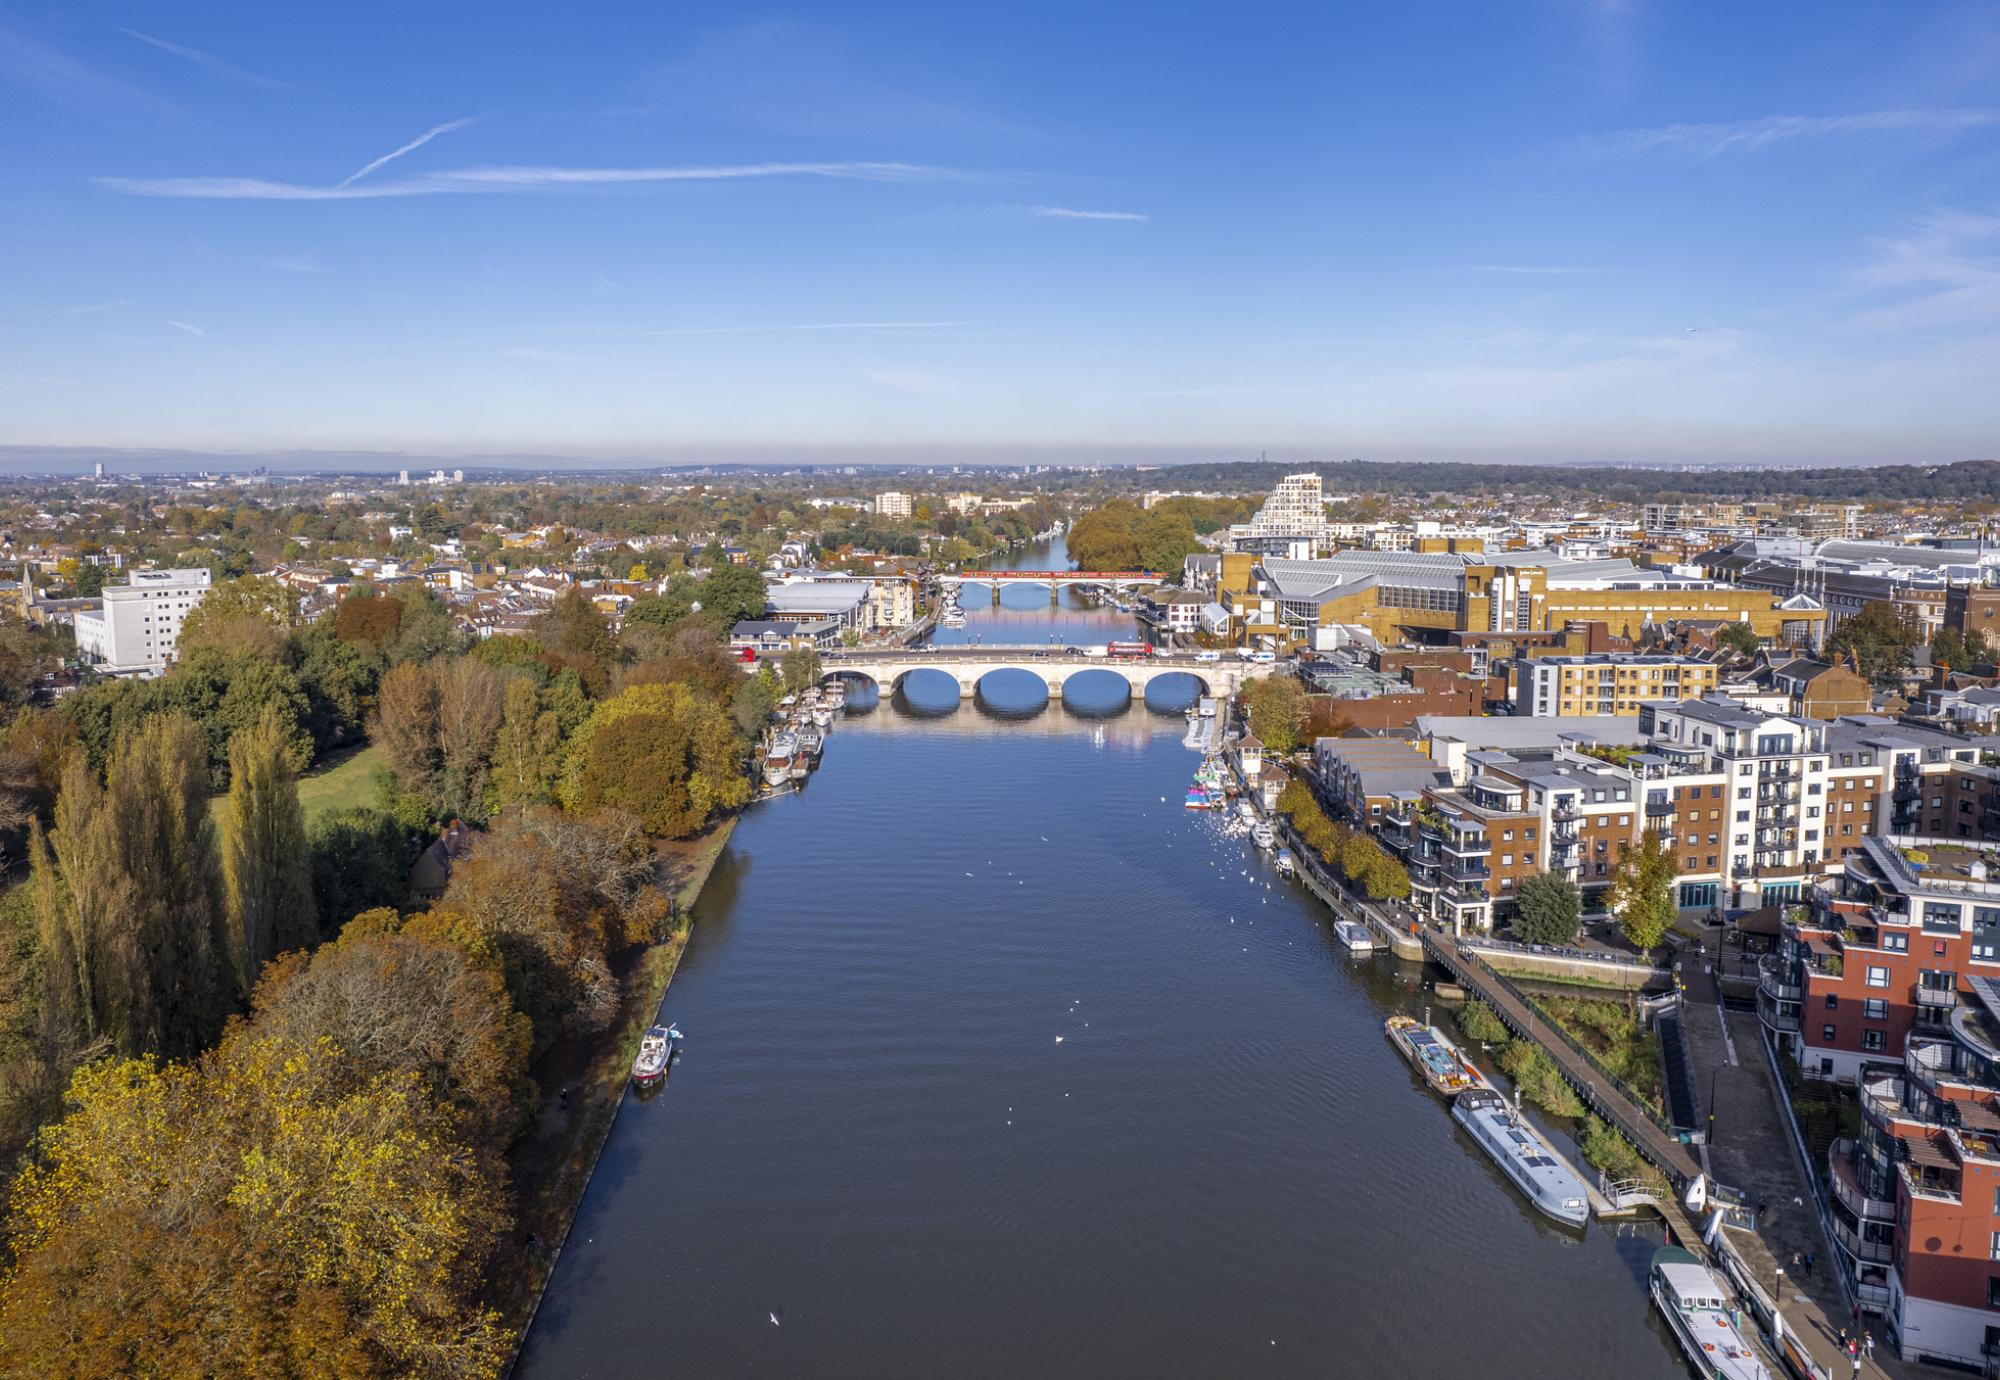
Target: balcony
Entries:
(1565, 814)
(1924, 1181)
(1468, 845)
(1659, 805)
(1775, 1017)
(1943, 998)
(1873, 1252)
(1779, 977)
(1847, 1186)
(1467, 871)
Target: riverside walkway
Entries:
(1600, 1093)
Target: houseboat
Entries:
(1523, 1156)
(1704, 1322)
(1442, 1063)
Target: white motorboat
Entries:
(656, 1052)
(1262, 836)
(1358, 938)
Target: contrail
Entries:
(410, 147)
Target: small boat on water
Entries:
(810, 743)
(1703, 1319)
(1358, 938)
(788, 702)
(1198, 798)
(1522, 1155)
(1285, 863)
(656, 1052)
(1442, 1063)
(1262, 836)
(777, 769)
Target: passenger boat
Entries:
(1442, 1063)
(822, 716)
(1198, 798)
(1522, 1155)
(1284, 861)
(656, 1052)
(777, 768)
(1261, 835)
(810, 744)
(1356, 936)
(1703, 1320)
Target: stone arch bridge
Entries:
(968, 665)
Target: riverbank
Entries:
(583, 1088)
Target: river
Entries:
(1000, 1063)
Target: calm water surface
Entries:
(1000, 1063)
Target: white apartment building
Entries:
(135, 631)
(890, 503)
(1294, 509)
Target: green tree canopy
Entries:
(1551, 910)
(1641, 894)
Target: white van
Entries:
(1210, 655)
(1263, 658)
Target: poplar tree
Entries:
(1641, 894)
(266, 865)
(140, 895)
(526, 756)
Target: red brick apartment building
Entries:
(1889, 975)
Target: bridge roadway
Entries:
(1119, 579)
(968, 665)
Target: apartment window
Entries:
(1874, 1041)
(1941, 917)
(1833, 1001)
(1878, 977)
(1986, 933)
(1828, 1033)
(1876, 1009)
(1896, 943)
(1507, 835)
(1743, 793)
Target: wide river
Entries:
(1001, 1063)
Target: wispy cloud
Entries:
(58, 77)
(1537, 270)
(1751, 136)
(1070, 213)
(535, 355)
(197, 331)
(92, 308)
(510, 180)
(210, 61)
(411, 147)
(813, 326)
(1946, 266)
(307, 265)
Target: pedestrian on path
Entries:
(1868, 1345)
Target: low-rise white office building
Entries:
(136, 630)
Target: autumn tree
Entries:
(1641, 893)
(266, 868)
(275, 1208)
(436, 724)
(360, 859)
(732, 593)
(695, 770)
(130, 898)
(1107, 537)
(801, 669)
(1882, 638)
(251, 616)
(1166, 540)
(1279, 707)
(527, 751)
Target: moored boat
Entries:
(1704, 1321)
(1442, 1063)
(1356, 936)
(811, 742)
(777, 768)
(1198, 798)
(1261, 835)
(656, 1052)
(1522, 1154)
(1284, 862)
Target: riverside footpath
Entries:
(1751, 1147)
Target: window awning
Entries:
(1926, 1153)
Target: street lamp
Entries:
(1777, 1307)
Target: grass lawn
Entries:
(346, 782)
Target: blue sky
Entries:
(1552, 228)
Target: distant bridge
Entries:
(1053, 665)
(1116, 579)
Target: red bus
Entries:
(1127, 651)
(747, 655)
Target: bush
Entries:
(1539, 1080)
(1476, 1021)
